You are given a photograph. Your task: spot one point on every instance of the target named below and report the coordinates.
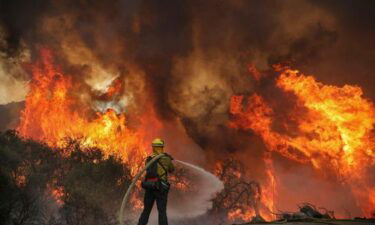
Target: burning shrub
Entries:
(71, 186)
(92, 186)
(26, 167)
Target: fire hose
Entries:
(126, 196)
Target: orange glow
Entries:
(253, 70)
(57, 194)
(136, 201)
(244, 215)
(334, 132)
(54, 112)
(181, 183)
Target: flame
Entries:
(58, 194)
(54, 111)
(254, 72)
(269, 191)
(334, 132)
(241, 214)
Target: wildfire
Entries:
(54, 112)
(334, 129)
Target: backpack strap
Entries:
(148, 159)
(165, 170)
(157, 162)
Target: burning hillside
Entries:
(54, 112)
(329, 127)
(224, 83)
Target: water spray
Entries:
(139, 174)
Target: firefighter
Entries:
(156, 184)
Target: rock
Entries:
(310, 211)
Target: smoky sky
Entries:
(194, 54)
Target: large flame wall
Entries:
(334, 130)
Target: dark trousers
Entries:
(161, 198)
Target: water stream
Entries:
(197, 201)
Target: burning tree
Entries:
(241, 198)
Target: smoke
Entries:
(11, 88)
(12, 77)
(306, 185)
(182, 49)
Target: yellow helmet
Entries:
(157, 142)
